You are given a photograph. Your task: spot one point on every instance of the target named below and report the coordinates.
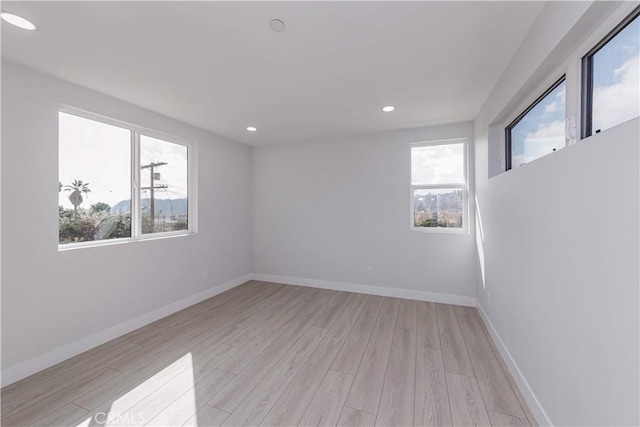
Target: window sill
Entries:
(112, 242)
(439, 230)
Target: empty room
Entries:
(320, 213)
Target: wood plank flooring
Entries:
(275, 355)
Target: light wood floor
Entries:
(270, 354)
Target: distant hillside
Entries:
(164, 206)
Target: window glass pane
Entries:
(438, 208)
(163, 191)
(437, 164)
(616, 72)
(541, 130)
(94, 180)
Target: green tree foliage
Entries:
(180, 225)
(82, 225)
(149, 226)
(438, 210)
(431, 222)
(100, 207)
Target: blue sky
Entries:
(616, 91)
(541, 130)
(614, 54)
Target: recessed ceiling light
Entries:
(276, 25)
(18, 21)
(388, 108)
(252, 128)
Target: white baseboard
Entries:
(369, 289)
(536, 408)
(31, 366)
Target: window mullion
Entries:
(136, 221)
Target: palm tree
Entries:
(77, 188)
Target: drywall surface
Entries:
(329, 210)
(558, 247)
(54, 298)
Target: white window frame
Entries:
(136, 217)
(606, 33)
(560, 73)
(446, 186)
(508, 156)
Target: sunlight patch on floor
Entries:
(138, 406)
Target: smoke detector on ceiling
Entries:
(276, 25)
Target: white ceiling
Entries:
(218, 65)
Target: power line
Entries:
(152, 187)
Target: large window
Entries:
(539, 130)
(439, 186)
(610, 76)
(115, 181)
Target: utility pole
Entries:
(153, 187)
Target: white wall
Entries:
(327, 210)
(560, 244)
(52, 299)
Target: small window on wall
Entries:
(117, 183)
(439, 186)
(610, 78)
(539, 130)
